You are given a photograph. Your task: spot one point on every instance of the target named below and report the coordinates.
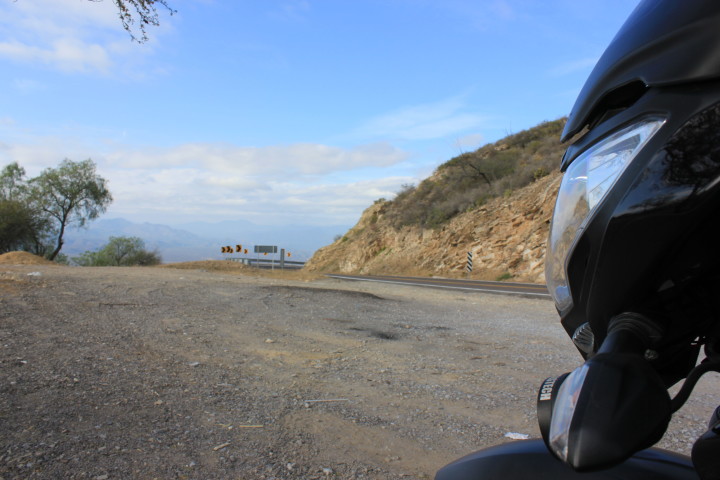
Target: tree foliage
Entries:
(16, 226)
(71, 194)
(140, 13)
(119, 251)
(22, 226)
(11, 182)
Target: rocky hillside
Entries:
(506, 235)
(495, 202)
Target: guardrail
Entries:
(269, 263)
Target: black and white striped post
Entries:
(469, 262)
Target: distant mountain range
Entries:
(203, 240)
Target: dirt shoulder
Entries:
(168, 373)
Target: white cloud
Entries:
(183, 195)
(338, 203)
(65, 54)
(56, 18)
(35, 153)
(423, 122)
(72, 36)
(296, 159)
(234, 182)
(303, 183)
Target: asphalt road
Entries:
(523, 289)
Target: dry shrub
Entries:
(23, 258)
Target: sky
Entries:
(284, 111)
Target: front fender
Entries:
(530, 459)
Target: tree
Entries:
(16, 226)
(142, 12)
(70, 194)
(21, 226)
(119, 251)
(91, 259)
(12, 181)
(122, 248)
(145, 258)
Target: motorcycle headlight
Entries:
(587, 181)
(563, 411)
(606, 410)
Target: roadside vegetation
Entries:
(119, 251)
(469, 180)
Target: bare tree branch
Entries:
(140, 13)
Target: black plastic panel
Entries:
(529, 459)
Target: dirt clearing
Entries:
(167, 373)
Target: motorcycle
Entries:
(632, 262)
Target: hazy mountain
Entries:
(202, 240)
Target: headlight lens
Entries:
(587, 181)
(563, 411)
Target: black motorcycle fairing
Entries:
(662, 43)
(616, 264)
(530, 459)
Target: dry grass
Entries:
(23, 258)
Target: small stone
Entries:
(269, 340)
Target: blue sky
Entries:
(284, 111)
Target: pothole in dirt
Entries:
(377, 333)
(384, 335)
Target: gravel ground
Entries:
(162, 373)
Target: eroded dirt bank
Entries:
(163, 373)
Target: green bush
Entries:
(119, 251)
